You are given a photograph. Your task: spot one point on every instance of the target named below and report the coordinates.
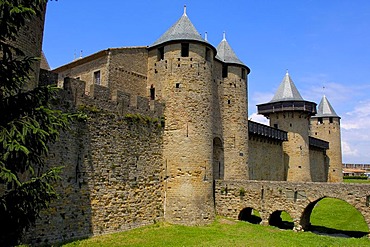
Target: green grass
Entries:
(327, 215)
(223, 232)
(333, 215)
(362, 181)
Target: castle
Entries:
(124, 169)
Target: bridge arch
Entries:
(250, 215)
(279, 218)
(307, 225)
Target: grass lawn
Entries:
(362, 181)
(329, 214)
(223, 232)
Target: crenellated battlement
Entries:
(103, 98)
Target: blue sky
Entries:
(321, 43)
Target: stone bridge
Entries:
(236, 199)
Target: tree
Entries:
(28, 124)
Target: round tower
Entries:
(234, 111)
(29, 40)
(326, 126)
(288, 111)
(180, 66)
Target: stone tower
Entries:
(29, 40)
(234, 105)
(326, 126)
(288, 111)
(180, 74)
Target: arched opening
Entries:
(218, 159)
(250, 215)
(330, 216)
(281, 219)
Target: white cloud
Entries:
(259, 119)
(347, 150)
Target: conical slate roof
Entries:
(325, 109)
(226, 54)
(287, 91)
(183, 29)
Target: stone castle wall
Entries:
(266, 165)
(84, 70)
(112, 178)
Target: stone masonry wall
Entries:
(84, 70)
(127, 70)
(318, 165)
(112, 178)
(293, 197)
(266, 165)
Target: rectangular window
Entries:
(319, 120)
(330, 120)
(208, 54)
(184, 49)
(152, 92)
(243, 74)
(160, 54)
(224, 71)
(97, 77)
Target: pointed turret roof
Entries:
(287, 91)
(325, 109)
(226, 54)
(183, 29)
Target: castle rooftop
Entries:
(183, 29)
(325, 109)
(287, 98)
(287, 91)
(226, 54)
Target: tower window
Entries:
(177, 85)
(330, 120)
(224, 71)
(152, 92)
(208, 54)
(97, 77)
(319, 120)
(243, 74)
(160, 53)
(184, 49)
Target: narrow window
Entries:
(152, 92)
(319, 121)
(224, 71)
(184, 49)
(97, 77)
(177, 85)
(243, 74)
(208, 54)
(160, 54)
(330, 120)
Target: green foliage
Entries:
(138, 118)
(28, 124)
(241, 191)
(355, 177)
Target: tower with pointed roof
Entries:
(326, 126)
(234, 104)
(288, 111)
(206, 132)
